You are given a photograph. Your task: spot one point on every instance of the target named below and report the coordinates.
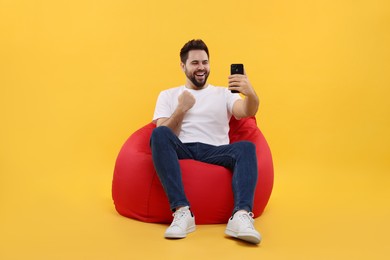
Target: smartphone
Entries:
(236, 69)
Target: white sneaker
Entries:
(240, 226)
(182, 224)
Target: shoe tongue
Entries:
(241, 212)
(182, 209)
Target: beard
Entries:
(199, 83)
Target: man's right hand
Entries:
(186, 101)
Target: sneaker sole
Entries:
(248, 237)
(183, 235)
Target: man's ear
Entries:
(182, 65)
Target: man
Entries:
(193, 123)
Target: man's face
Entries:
(197, 68)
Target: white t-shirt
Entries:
(208, 120)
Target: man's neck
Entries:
(192, 86)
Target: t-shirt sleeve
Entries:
(163, 106)
(231, 98)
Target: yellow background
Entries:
(78, 77)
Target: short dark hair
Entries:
(192, 45)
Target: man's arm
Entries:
(186, 102)
(250, 104)
(173, 122)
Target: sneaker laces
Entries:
(247, 219)
(179, 216)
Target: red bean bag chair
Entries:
(138, 194)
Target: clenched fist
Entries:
(186, 101)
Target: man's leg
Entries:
(241, 158)
(167, 149)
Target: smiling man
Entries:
(193, 123)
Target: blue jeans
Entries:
(239, 157)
